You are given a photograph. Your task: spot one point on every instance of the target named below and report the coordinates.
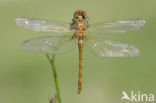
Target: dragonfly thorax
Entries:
(79, 23)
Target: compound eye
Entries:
(84, 13)
(76, 14)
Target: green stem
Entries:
(51, 60)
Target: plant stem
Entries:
(51, 60)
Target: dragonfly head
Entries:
(80, 19)
(80, 14)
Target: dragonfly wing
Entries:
(40, 25)
(107, 48)
(50, 44)
(116, 27)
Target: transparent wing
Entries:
(116, 27)
(40, 25)
(50, 44)
(107, 48)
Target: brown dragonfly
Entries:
(80, 31)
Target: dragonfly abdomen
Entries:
(80, 45)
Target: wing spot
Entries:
(95, 45)
(26, 22)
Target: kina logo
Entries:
(137, 97)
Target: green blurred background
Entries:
(27, 78)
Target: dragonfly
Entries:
(80, 32)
